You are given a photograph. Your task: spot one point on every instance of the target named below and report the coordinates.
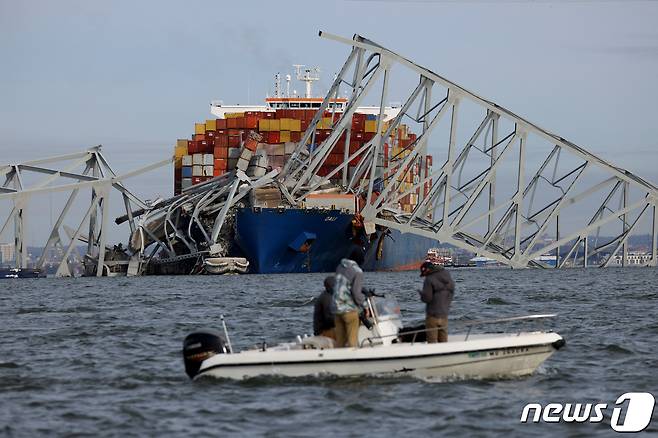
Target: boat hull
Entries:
(488, 358)
(273, 242)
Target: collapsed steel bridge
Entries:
(506, 189)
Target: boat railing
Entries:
(469, 324)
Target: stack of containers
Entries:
(217, 146)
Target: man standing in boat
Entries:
(324, 310)
(437, 293)
(349, 299)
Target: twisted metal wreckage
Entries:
(484, 198)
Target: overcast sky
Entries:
(134, 76)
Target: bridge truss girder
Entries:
(83, 171)
(507, 188)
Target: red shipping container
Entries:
(193, 147)
(338, 148)
(251, 144)
(304, 125)
(269, 115)
(295, 136)
(232, 123)
(233, 141)
(428, 161)
(221, 124)
(220, 152)
(199, 137)
(221, 141)
(280, 114)
(367, 136)
(241, 122)
(217, 172)
(233, 132)
(273, 137)
(357, 136)
(197, 179)
(210, 135)
(206, 147)
(355, 145)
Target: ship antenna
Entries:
(288, 78)
(277, 85)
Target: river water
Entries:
(90, 356)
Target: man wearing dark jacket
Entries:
(324, 311)
(437, 293)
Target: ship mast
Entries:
(308, 76)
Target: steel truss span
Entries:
(87, 171)
(505, 189)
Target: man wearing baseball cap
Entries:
(437, 293)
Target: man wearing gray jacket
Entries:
(437, 293)
(349, 299)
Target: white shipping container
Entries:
(197, 170)
(187, 160)
(208, 159)
(207, 170)
(197, 159)
(246, 154)
(243, 164)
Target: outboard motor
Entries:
(199, 346)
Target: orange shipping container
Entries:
(220, 164)
(251, 121)
(199, 137)
(220, 124)
(220, 152)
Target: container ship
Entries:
(265, 228)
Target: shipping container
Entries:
(197, 170)
(264, 125)
(211, 125)
(220, 124)
(187, 160)
(220, 152)
(197, 159)
(200, 128)
(186, 172)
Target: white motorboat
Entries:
(385, 349)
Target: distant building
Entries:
(7, 252)
(632, 259)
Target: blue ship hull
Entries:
(299, 240)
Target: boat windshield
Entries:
(386, 306)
